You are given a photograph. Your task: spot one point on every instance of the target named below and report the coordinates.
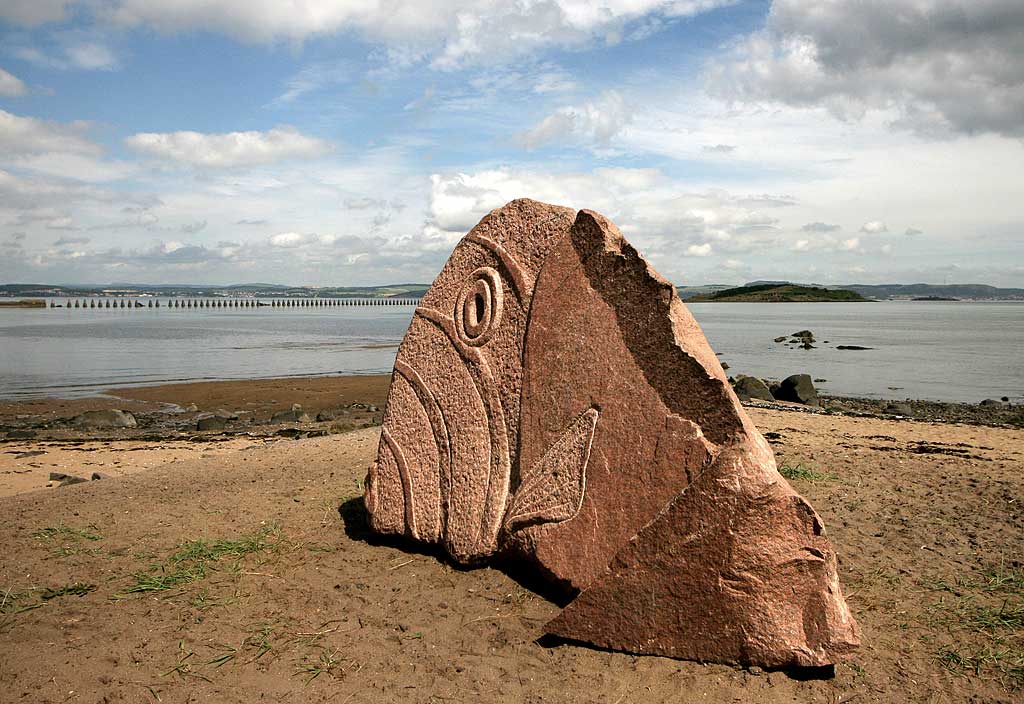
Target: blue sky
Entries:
(354, 142)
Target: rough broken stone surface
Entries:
(553, 398)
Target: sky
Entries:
(354, 142)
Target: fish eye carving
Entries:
(478, 307)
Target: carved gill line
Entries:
(403, 473)
(500, 476)
(439, 428)
(521, 279)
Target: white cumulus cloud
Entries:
(229, 149)
(874, 227)
(597, 121)
(448, 33)
(937, 66)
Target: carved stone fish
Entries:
(554, 398)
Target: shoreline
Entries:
(259, 398)
(43, 439)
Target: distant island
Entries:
(875, 292)
(779, 293)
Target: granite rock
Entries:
(554, 400)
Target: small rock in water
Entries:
(780, 339)
(852, 347)
(820, 381)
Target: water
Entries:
(927, 350)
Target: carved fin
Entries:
(552, 491)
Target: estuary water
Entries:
(946, 351)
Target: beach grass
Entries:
(193, 560)
(803, 472)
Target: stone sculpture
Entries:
(553, 399)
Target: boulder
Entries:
(798, 388)
(899, 409)
(98, 420)
(96, 476)
(554, 402)
(217, 422)
(993, 403)
(803, 336)
(295, 415)
(780, 339)
(750, 387)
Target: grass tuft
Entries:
(192, 561)
(984, 618)
(326, 663)
(73, 589)
(804, 472)
(63, 532)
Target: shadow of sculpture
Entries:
(357, 527)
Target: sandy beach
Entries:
(236, 566)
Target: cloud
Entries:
(936, 66)
(288, 239)
(33, 12)
(596, 121)
(230, 149)
(71, 51)
(449, 34)
(91, 56)
(699, 250)
(11, 86)
(250, 222)
(28, 135)
(874, 227)
(819, 227)
(63, 241)
(851, 245)
(17, 236)
(193, 227)
(718, 148)
(312, 78)
(912, 231)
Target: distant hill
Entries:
(779, 293)
(688, 292)
(234, 290)
(970, 292)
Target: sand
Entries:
(305, 606)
